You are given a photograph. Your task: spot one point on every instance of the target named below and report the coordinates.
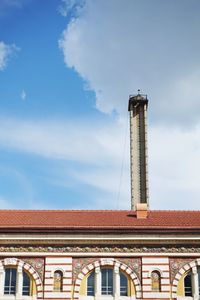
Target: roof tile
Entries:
(98, 219)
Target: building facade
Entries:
(99, 255)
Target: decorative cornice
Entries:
(99, 249)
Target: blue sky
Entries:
(67, 69)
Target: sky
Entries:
(67, 68)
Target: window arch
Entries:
(155, 281)
(133, 285)
(186, 283)
(111, 282)
(18, 280)
(58, 281)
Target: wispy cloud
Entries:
(23, 95)
(5, 203)
(62, 140)
(19, 192)
(16, 3)
(6, 52)
(7, 5)
(68, 6)
(98, 151)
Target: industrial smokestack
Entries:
(138, 150)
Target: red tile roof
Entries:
(99, 220)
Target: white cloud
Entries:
(118, 47)
(174, 167)
(98, 150)
(6, 51)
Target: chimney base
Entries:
(141, 210)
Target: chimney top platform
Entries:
(135, 100)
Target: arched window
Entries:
(110, 283)
(123, 284)
(155, 281)
(90, 284)
(189, 282)
(188, 285)
(107, 281)
(10, 281)
(10, 284)
(15, 280)
(58, 280)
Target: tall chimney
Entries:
(138, 149)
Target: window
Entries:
(26, 284)
(155, 281)
(110, 283)
(10, 281)
(90, 284)
(123, 284)
(188, 284)
(58, 279)
(107, 281)
(17, 283)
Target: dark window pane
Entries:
(10, 281)
(107, 282)
(103, 277)
(188, 285)
(90, 285)
(123, 285)
(26, 284)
